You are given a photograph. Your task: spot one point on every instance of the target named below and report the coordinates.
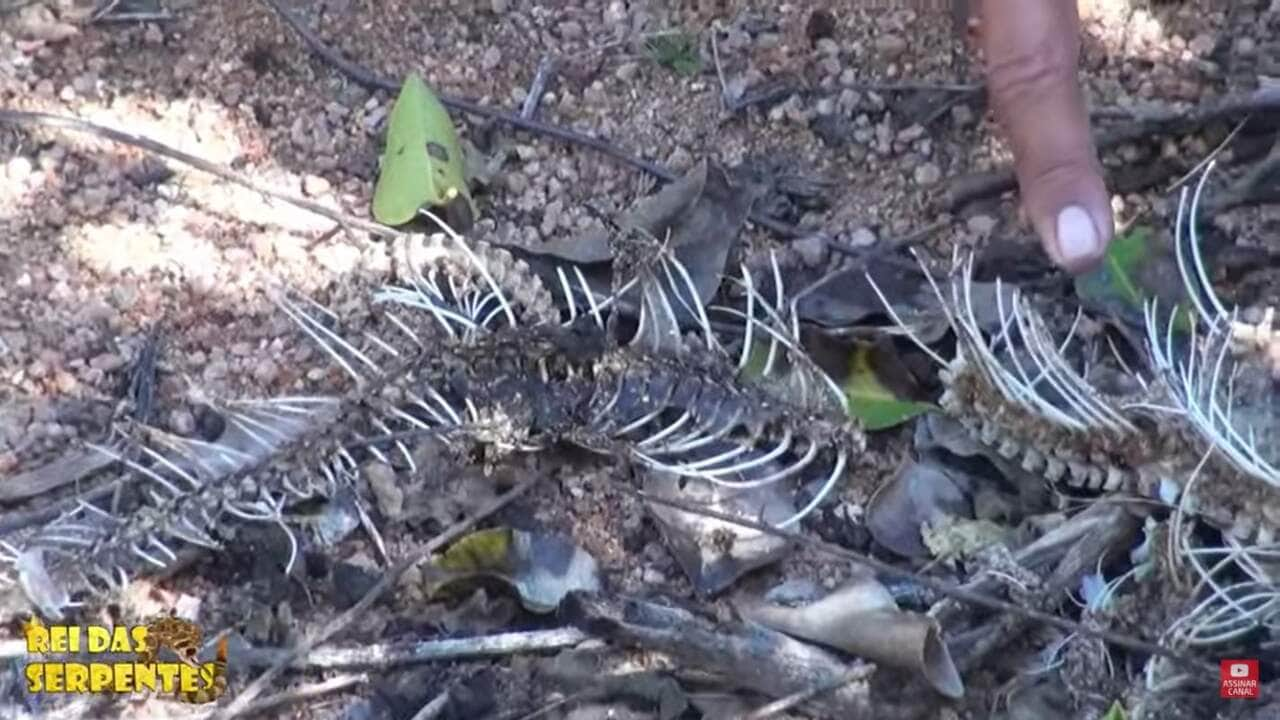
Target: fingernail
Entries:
(1077, 237)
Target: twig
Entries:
(338, 683)
(386, 655)
(1253, 185)
(433, 709)
(538, 87)
(103, 8)
(715, 57)
(883, 250)
(1050, 547)
(748, 655)
(910, 86)
(20, 117)
(11, 521)
(782, 705)
(67, 469)
(162, 16)
(975, 186)
(939, 586)
(555, 704)
(366, 78)
(1208, 158)
(1118, 527)
(946, 105)
(388, 579)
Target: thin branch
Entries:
(380, 656)
(66, 469)
(20, 117)
(781, 705)
(368, 79)
(11, 521)
(939, 586)
(433, 708)
(975, 186)
(538, 87)
(1261, 183)
(335, 684)
(388, 579)
(1208, 158)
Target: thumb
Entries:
(1032, 50)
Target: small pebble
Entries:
(569, 30)
(182, 422)
(812, 250)
(861, 237)
(627, 72)
(653, 576)
(516, 182)
(266, 371)
(981, 224)
(890, 46)
(927, 174)
(386, 491)
(107, 362)
(18, 168)
(615, 13)
(1201, 44)
(315, 185)
(680, 160)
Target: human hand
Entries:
(1032, 48)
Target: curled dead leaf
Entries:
(862, 619)
(714, 553)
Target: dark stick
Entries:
(363, 76)
(967, 188)
(368, 79)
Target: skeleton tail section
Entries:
(176, 492)
(1183, 437)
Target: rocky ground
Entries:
(102, 244)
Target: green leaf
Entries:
(677, 51)
(870, 401)
(1116, 712)
(756, 358)
(1132, 272)
(422, 163)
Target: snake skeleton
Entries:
(475, 346)
(512, 372)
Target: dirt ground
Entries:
(102, 244)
